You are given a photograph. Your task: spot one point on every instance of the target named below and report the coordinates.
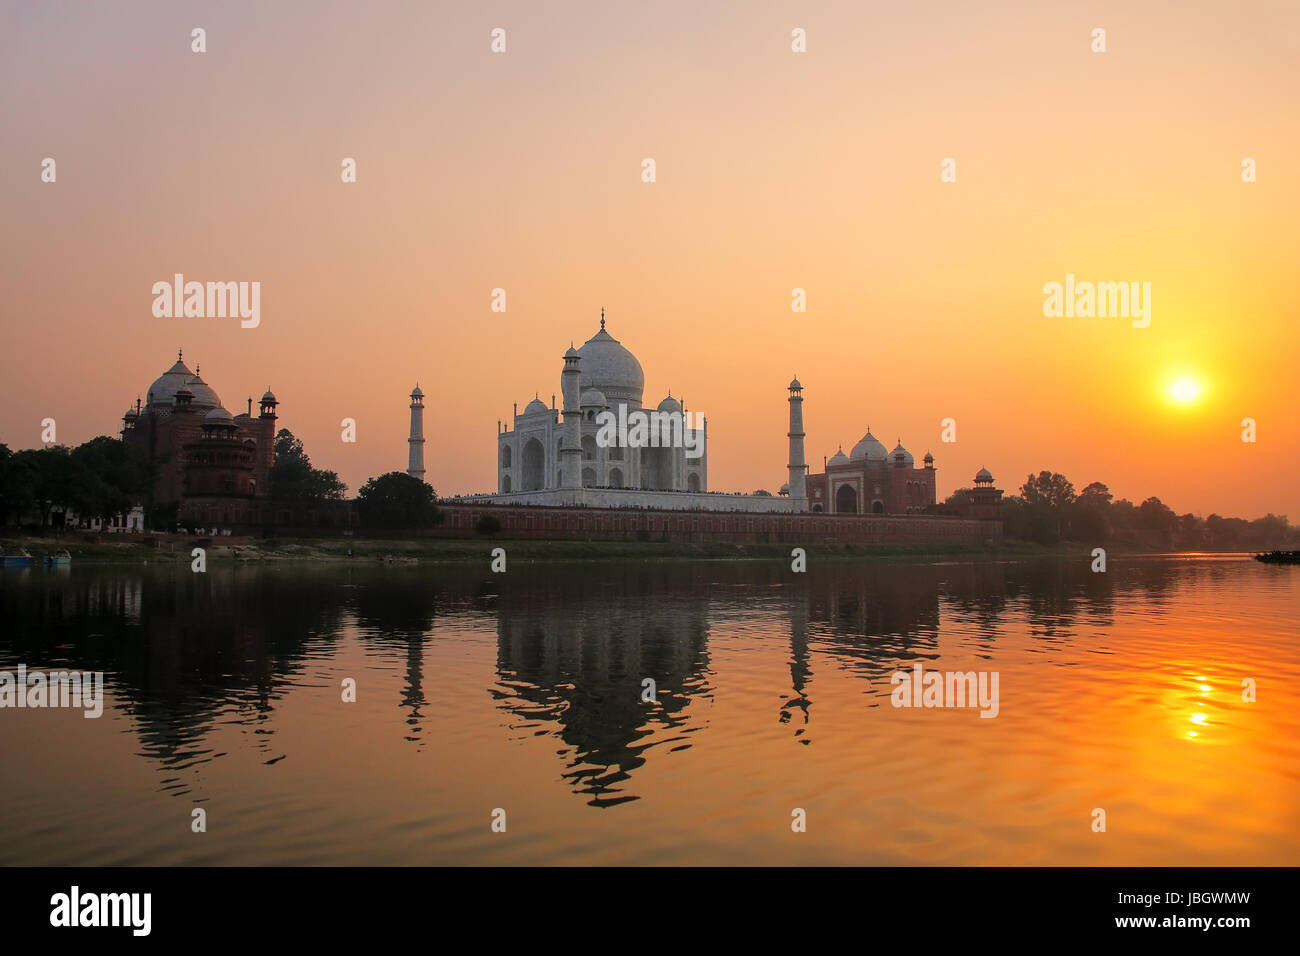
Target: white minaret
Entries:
(798, 486)
(571, 442)
(415, 460)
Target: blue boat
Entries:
(59, 559)
(17, 559)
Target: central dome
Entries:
(612, 369)
(869, 449)
(177, 378)
(163, 390)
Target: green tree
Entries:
(1090, 513)
(1048, 497)
(294, 479)
(397, 500)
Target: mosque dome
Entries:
(869, 449)
(670, 404)
(536, 406)
(219, 414)
(839, 458)
(203, 393)
(163, 390)
(983, 475)
(900, 450)
(795, 384)
(784, 489)
(592, 396)
(609, 367)
(415, 393)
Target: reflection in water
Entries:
(201, 666)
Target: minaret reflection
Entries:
(800, 667)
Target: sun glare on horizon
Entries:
(1185, 390)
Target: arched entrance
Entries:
(877, 507)
(533, 458)
(846, 500)
(615, 478)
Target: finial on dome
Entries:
(179, 354)
(602, 318)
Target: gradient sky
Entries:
(775, 170)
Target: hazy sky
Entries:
(775, 170)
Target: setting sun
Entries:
(1185, 390)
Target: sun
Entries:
(1185, 390)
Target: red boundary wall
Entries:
(632, 524)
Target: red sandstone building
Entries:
(870, 480)
(213, 466)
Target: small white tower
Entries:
(571, 441)
(798, 469)
(415, 459)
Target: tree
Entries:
(397, 500)
(488, 525)
(112, 477)
(1048, 497)
(1090, 513)
(17, 484)
(294, 479)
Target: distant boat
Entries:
(1279, 557)
(21, 558)
(60, 559)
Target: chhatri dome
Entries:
(610, 368)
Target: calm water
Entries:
(523, 692)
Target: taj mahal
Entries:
(564, 457)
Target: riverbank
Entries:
(176, 549)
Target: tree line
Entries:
(1049, 510)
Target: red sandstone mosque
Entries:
(213, 466)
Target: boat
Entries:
(1279, 557)
(59, 559)
(21, 558)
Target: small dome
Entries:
(592, 396)
(794, 383)
(670, 404)
(535, 407)
(130, 412)
(219, 414)
(984, 475)
(784, 489)
(839, 458)
(928, 459)
(572, 353)
(203, 393)
(869, 449)
(900, 450)
(268, 397)
(415, 393)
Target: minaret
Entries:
(415, 459)
(798, 470)
(571, 443)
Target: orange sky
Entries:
(775, 170)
